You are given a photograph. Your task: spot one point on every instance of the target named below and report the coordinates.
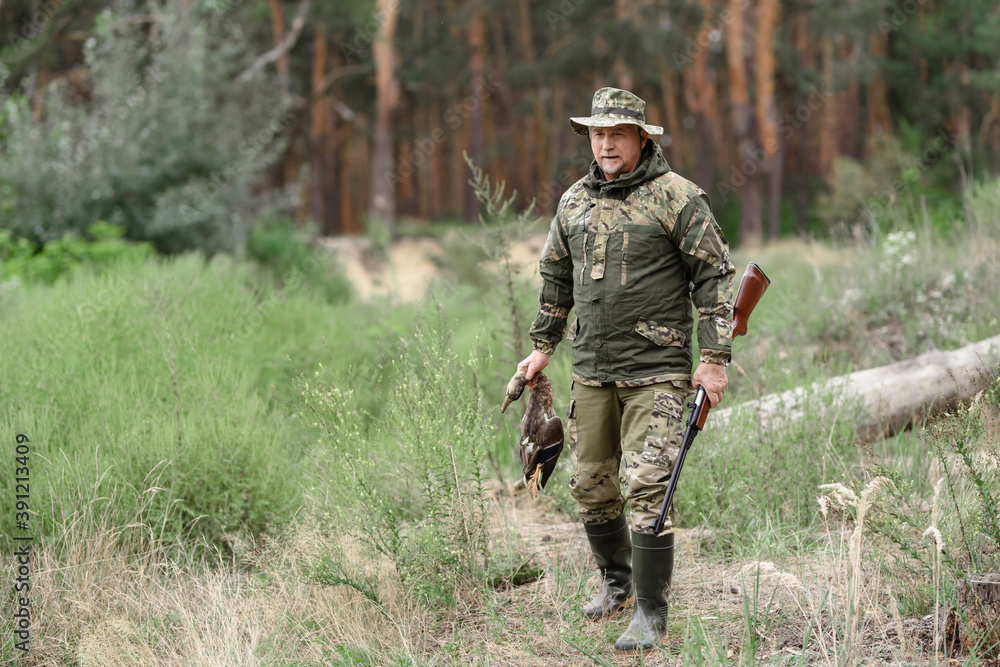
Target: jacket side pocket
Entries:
(660, 334)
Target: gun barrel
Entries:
(752, 288)
(697, 412)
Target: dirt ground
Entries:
(409, 268)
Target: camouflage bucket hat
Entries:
(614, 106)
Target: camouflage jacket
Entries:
(631, 255)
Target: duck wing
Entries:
(540, 451)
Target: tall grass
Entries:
(174, 366)
(410, 487)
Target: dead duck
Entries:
(541, 430)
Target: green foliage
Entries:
(862, 193)
(21, 260)
(167, 145)
(287, 254)
(408, 485)
(276, 244)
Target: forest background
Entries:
(238, 456)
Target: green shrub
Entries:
(899, 183)
(407, 486)
(288, 255)
(20, 259)
(167, 145)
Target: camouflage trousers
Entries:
(623, 444)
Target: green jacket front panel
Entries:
(631, 260)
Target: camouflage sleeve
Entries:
(555, 298)
(706, 258)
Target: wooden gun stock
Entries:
(752, 287)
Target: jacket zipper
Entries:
(624, 256)
(586, 249)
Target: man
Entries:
(631, 246)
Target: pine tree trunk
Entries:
(425, 172)
(438, 174)
(623, 74)
(877, 99)
(995, 134)
(502, 105)
(278, 30)
(849, 108)
(458, 140)
(767, 113)
(705, 106)
(675, 151)
(362, 149)
(476, 102)
(828, 127)
(776, 179)
(536, 161)
(801, 152)
(347, 219)
(317, 137)
(383, 192)
(405, 197)
(745, 175)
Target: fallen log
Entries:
(886, 400)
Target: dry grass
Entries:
(98, 603)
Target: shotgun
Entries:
(752, 288)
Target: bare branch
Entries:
(283, 47)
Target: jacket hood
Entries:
(652, 163)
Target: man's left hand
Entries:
(714, 379)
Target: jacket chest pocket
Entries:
(645, 248)
(605, 229)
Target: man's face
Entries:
(617, 148)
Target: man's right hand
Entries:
(535, 362)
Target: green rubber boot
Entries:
(613, 552)
(653, 565)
